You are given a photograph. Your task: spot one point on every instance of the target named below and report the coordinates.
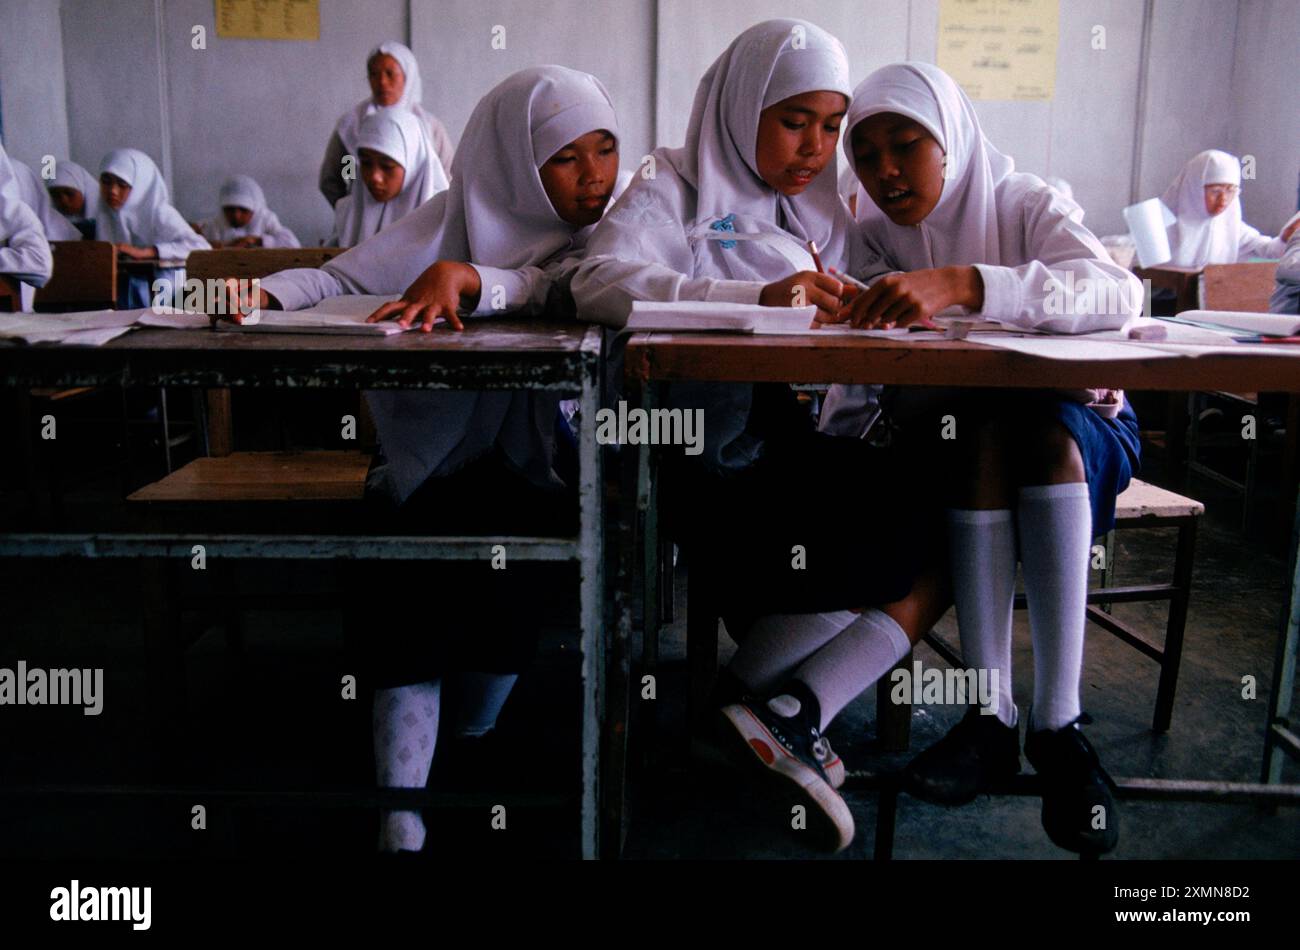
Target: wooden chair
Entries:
(1240, 287)
(10, 295)
(84, 278)
(1142, 505)
(243, 264)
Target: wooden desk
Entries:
(651, 359)
(500, 354)
(1183, 282)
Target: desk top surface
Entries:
(848, 359)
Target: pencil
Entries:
(812, 249)
(848, 279)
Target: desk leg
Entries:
(1178, 419)
(591, 598)
(1279, 735)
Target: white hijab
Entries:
(68, 174)
(349, 124)
(497, 214)
(137, 222)
(397, 135)
(1196, 238)
(769, 62)
(963, 227)
(34, 195)
(240, 191)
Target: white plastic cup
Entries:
(1147, 222)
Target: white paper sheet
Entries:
(82, 328)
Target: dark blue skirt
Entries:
(1112, 455)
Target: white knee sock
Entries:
(982, 546)
(858, 656)
(481, 697)
(405, 723)
(777, 643)
(1055, 543)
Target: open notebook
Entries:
(345, 315)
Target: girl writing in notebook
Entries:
(728, 217)
(399, 173)
(1041, 470)
(245, 220)
(136, 214)
(538, 162)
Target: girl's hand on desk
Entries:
(241, 301)
(247, 240)
(903, 299)
(820, 290)
(440, 291)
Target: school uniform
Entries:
(68, 174)
(343, 141)
(242, 191)
(497, 217)
(1196, 237)
(147, 219)
(706, 227)
(397, 135)
(1040, 267)
(24, 252)
(1286, 295)
(57, 227)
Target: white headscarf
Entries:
(68, 174)
(769, 62)
(1196, 238)
(397, 135)
(963, 226)
(241, 191)
(497, 214)
(9, 186)
(349, 124)
(137, 222)
(496, 211)
(57, 227)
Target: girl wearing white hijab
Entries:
(1207, 227)
(536, 168)
(944, 205)
(728, 217)
(136, 214)
(245, 220)
(394, 76)
(24, 252)
(57, 227)
(75, 194)
(399, 172)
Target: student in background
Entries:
(24, 253)
(1208, 226)
(398, 171)
(539, 163)
(394, 77)
(75, 195)
(135, 213)
(1286, 296)
(245, 220)
(1037, 473)
(57, 227)
(728, 217)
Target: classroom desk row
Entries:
(568, 357)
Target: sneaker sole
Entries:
(829, 813)
(710, 752)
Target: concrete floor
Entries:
(275, 718)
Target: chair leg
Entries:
(893, 720)
(1108, 569)
(1172, 655)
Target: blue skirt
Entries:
(1112, 455)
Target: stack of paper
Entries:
(85, 328)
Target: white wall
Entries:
(33, 105)
(1218, 74)
(1266, 108)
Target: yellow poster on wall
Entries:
(268, 19)
(1000, 49)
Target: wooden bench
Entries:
(84, 278)
(246, 477)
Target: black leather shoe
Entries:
(976, 754)
(1079, 812)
